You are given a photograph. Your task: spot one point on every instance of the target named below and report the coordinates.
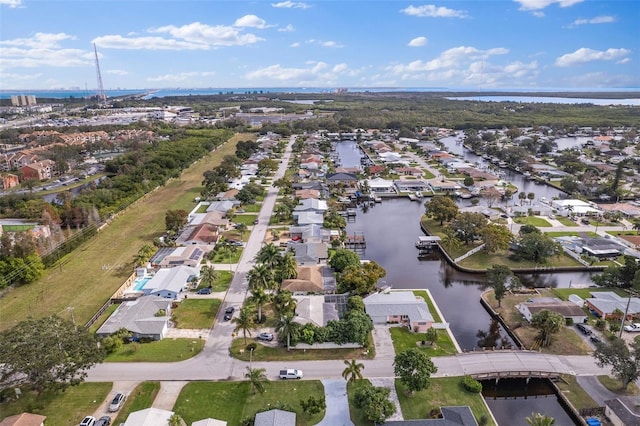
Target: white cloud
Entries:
(291, 5)
(117, 72)
(450, 58)
(12, 3)
(604, 19)
(212, 36)
(431, 11)
(418, 42)
(148, 43)
(251, 21)
(39, 40)
(316, 73)
(181, 77)
(541, 4)
(584, 55)
(325, 43)
(538, 14)
(296, 44)
(288, 29)
(14, 57)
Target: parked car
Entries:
(228, 313)
(88, 421)
(117, 402)
(104, 421)
(595, 339)
(239, 210)
(236, 243)
(265, 336)
(255, 222)
(585, 221)
(290, 374)
(206, 290)
(584, 329)
(634, 327)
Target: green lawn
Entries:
(165, 350)
(482, 260)
(196, 313)
(61, 408)
(247, 219)
(404, 339)
(571, 234)
(444, 391)
(615, 386)
(234, 401)
(140, 398)
(269, 353)
(223, 281)
(224, 256)
(585, 293)
(532, 220)
(577, 396)
(566, 221)
(203, 208)
(251, 208)
(357, 416)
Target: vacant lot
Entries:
(87, 277)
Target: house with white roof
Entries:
(381, 186)
(400, 307)
(149, 417)
(311, 204)
(209, 422)
(169, 282)
(146, 316)
(308, 218)
(574, 207)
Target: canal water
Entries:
(391, 229)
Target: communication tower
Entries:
(102, 98)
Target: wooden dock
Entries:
(356, 242)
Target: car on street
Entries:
(228, 313)
(255, 222)
(265, 336)
(117, 402)
(584, 329)
(88, 421)
(206, 290)
(103, 421)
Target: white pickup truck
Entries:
(290, 374)
(632, 327)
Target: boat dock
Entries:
(426, 244)
(356, 242)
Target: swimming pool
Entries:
(139, 282)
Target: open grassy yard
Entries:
(446, 391)
(61, 408)
(246, 218)
(279, 353)
(252, 208)
(577, 396)
(566, 221)
(165, 350)
(223, 281)
(235, 401)
(532, 220)
(585, 293)
(140, 398)
(226, 256)
(615, 386)
(482, 260)
(404, 339)
(571, 234)
(196, 313)
(80, 281)
(565, 342)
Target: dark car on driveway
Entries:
(104, 421)
(584, 329)
(228, 313)
(206, 290)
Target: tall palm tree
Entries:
(287, 267)
(450, 241)
(522, 196)
(244, 322)
(260, 277)
(531, 196)
(259, 298)
(208, 276)
(269, 255)
(539, 419)
(257, 377)
(285, 304)
(286, 326)
(353, 371)
(636, 226)
(241, 228)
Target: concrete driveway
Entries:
(335, 394)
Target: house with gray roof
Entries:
(308, 218)
(140, 317)
(275, 418)
(311, 205)
(311, 253)
(169, 282)
(451, 416)
(606, 304)
(221, 206)
(399, 307)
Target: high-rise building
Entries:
(23, 100)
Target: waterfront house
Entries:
(304, 194)
(309, 280)
(346, 179)
(444, 186)
(574, 207)
(567, 309)
(144, 317)
(309, 253)
(308, 218)
(381, 186)
(412, 185)
(311, 205)
(399, 307)
(490, 214)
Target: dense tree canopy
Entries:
(414, 368)
(441, 208)
(47, 353)
(374, 402)
(624, 362)
(342, 258)
(549, 323)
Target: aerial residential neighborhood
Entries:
(274, 275)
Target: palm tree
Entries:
(259, 298)
(260, 277)
(353, 371)
(208, 276)
(285, 304)
(241, 228)
(269, 255)
(450, 241)
(257, 377)
(282, 212)
(531, 196)
(636, 225)
(244, 322)
(539, 419)
(287, 326)
(287, 267)
(176, 420)
(522, 196)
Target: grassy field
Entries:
(252, 208)
(61, 408)
(226, 256)
(585, 293)
(566, 221)
(247, 218)
(196, 313)
(532, 220)
(165, 350)
(223, 281)
(234, 401)
(80, 281)
(404, 339)
(571, 234)
(446, 391)
(481, 260)
(577, 396)
(140, 398)
(269, 353)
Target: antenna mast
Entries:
(101, 96)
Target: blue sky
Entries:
(532, 44)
